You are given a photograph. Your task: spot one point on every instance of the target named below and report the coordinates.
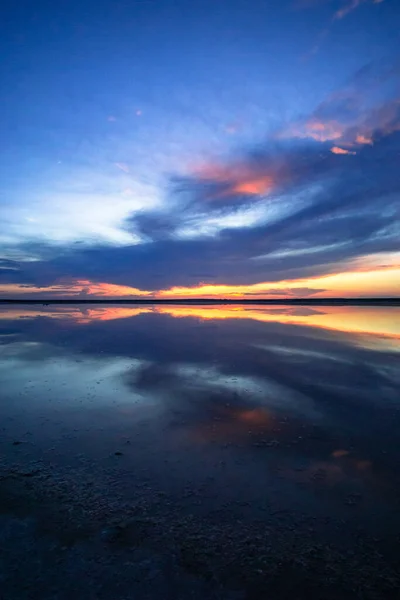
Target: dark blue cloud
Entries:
(351, 209)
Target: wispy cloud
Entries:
(123, 166)
(345, 8)
(352, 5)
(367, 109)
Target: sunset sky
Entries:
(200, 148)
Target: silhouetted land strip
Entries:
(211, 301)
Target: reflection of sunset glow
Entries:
(383, 326)
(339, 453)
(348, 319)
(75, 313)
(330, 472)
(109, 313)
(257, 416)
(234, 424)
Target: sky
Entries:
(200, 148)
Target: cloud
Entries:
(316, 129)
(337, 150)
(73, 288)
(352, 5)
(347, 6)
(362, 139)
(348, 215)
(366, 109)
(123, 166)
(235, 180)
(329, 212)
(287, 209)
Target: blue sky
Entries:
(159, 146)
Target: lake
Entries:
(233, 452)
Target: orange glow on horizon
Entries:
(369, 276)
(386, 279)
(79, 289)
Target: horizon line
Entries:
(332, 300)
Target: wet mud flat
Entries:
(76, 533)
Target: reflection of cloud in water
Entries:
(192, 387)
(218, 361)
(294, 395)
(335, 470)
(208, 405)
(46, 375)
(77, 314)
(264, 391)
(370, 327)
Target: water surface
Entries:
(257, 438)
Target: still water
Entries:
(282, 421)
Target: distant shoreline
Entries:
(212, 301)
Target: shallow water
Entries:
(284, 419)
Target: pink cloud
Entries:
(316, 129)
(362, 139)
(237, 179)
(337, 150)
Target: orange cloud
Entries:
(382, 121)
(236, 179)
(337, 150)
(316, 129)
(363, 139)
(81, 288)
(261, 185)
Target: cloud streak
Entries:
(303, 204)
